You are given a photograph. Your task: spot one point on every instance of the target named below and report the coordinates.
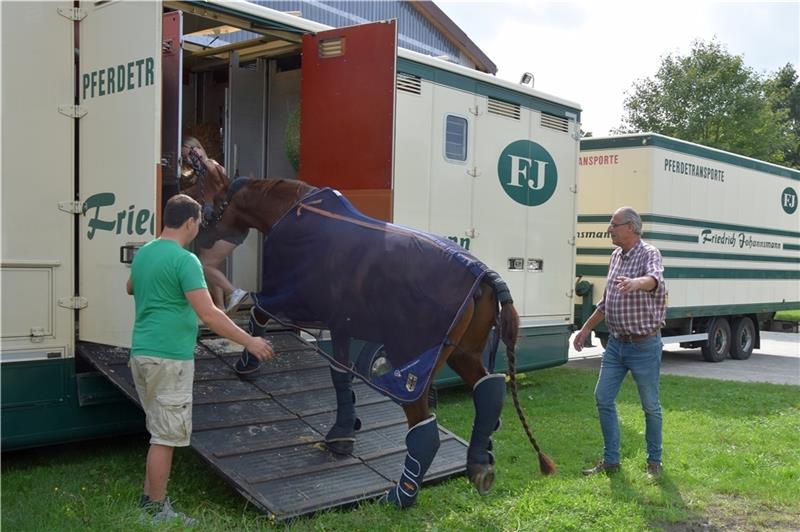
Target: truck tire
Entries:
(743, 339)
(718, 346)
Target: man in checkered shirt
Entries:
(633, 307)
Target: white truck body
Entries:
(727, 226)
(93, 113)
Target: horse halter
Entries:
(200, 171)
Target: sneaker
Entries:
(602, 467)
(654, 469)
(160, 512)
(236, 298)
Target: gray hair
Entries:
(629, 215)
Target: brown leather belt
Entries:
(635, 337)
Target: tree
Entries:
(710, 97)
(783, 93)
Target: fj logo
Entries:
(527, 173)
(789, 200)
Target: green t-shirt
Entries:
(166, 324)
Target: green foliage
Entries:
(730, 449)
(783, 93)
(789, 315)
(291, 138)
(712, 98)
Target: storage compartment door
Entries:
(119, 156)
(37, 176)
(347, 113)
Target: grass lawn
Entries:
(731, 462)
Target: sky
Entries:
(591, 52)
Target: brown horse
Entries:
(261, 204)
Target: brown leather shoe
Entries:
(602, 467)
(654, 469)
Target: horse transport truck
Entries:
(95, 99)
(728, 228)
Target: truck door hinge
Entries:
(573, 189)
(73, 302)
(72, 111)
(72, 13)
(475, 110)
(571, 241)
(472, 233)
(474, 172)
(570, 292)
(72, 207)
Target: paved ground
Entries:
(778, 361)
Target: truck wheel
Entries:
(718, 345)
(744, 338)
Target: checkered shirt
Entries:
(637, 312)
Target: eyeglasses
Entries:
(612, 224)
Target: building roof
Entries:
(445, 24)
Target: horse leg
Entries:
(247, 364)
(422, 438)
(342, 435)
(422, 442)
(488, 391)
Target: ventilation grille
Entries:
(499, 107)
(331, 47)
(409, 83)
(559, 123)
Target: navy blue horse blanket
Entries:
(325, 262)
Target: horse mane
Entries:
(260, 203)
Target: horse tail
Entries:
(509, 332)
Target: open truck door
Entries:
(119, 158)
(347, 113)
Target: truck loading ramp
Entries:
(265, 437)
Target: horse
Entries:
(263, 204)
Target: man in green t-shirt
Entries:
(170, 293)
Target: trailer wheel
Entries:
(744, 338)
(718, 345)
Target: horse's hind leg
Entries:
(488, 391)
(422, 438)
(247, 364)
(342, 436)
(488, 396)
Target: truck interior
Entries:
(241, 100)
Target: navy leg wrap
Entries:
(342, 435)
(422, 442)
(488, 396)
(247, 363)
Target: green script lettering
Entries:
(130, 220)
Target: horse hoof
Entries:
(482, 477)
(247, 366)
(393, 499)
(340, 446)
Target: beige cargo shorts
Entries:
(165, 392)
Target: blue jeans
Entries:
(643, 360)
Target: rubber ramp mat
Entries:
(265, 436)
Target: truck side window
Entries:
(455, 138)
